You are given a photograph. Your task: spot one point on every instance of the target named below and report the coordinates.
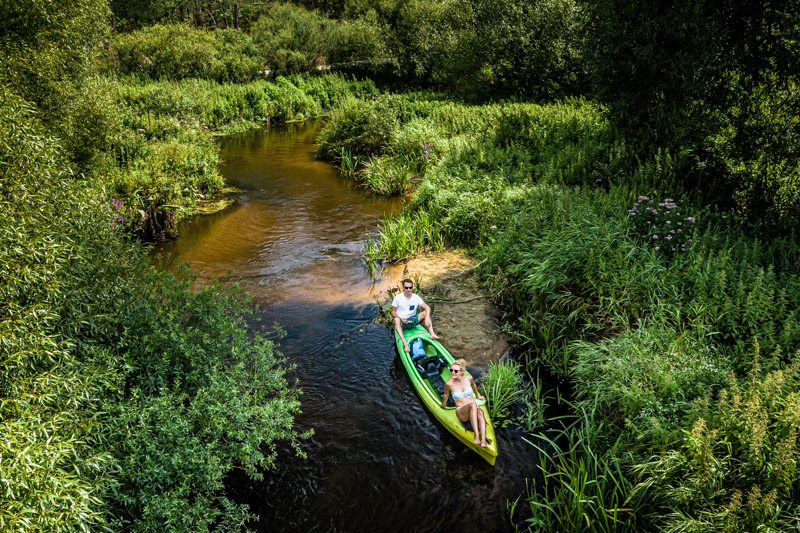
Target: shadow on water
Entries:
(378, 461)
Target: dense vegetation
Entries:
(627, 169)
(675, 318)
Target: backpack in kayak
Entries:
(417, 349)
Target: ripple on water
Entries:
(378, 461)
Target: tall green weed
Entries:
(735, 466)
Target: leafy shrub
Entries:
(53, 470)
(290, 38)
(177, 51)
(128, 397)
(200, 397)
(362, 128)
(360, 42)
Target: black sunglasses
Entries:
(407, 287)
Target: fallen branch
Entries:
(470, 269)
(442, 300)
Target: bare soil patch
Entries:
(463, 314)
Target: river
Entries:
(378, 461)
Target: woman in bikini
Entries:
(462, 387)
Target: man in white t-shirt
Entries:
(408, 310)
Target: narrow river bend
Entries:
(377, 461)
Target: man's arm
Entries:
(394, 314)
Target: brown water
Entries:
(377, 461)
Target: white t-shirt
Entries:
(407, 307)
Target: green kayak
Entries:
(428, 378)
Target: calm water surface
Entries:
(377, 461)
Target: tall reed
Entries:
(502, 386)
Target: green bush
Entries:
(290, 38)
(127, 396)
(178, 51)
(362, 128)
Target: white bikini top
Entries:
(458, 395)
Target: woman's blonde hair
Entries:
(460, 362)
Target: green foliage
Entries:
(514, 47)
(735, 469)
(127, 397)
(177, 51)
(359, 42)
(53, 472)
(502, 386)
(585, 486)
(388, 176)
(290, 38)
(714, 78)
(648, 379)
(47, 46)
(361, 128)
(201, 396)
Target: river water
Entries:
(377, 461)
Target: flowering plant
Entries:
(662, 224)
(115, 208)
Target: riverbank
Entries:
(463, 313)
(664, 316)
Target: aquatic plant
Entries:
(584, 484)
(388, 176)
(535, 400)
(348, 161)
(502, 386)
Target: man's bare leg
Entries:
(399, 328)
(428, 323)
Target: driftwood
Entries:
(468, 270)
(457, 301)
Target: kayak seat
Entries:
(422, 363)
(434, 377)
(468, 426)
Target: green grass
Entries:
(585, 486)
(502, 386)
(650, 333)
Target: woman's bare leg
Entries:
(473, 419)
(482, 426)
